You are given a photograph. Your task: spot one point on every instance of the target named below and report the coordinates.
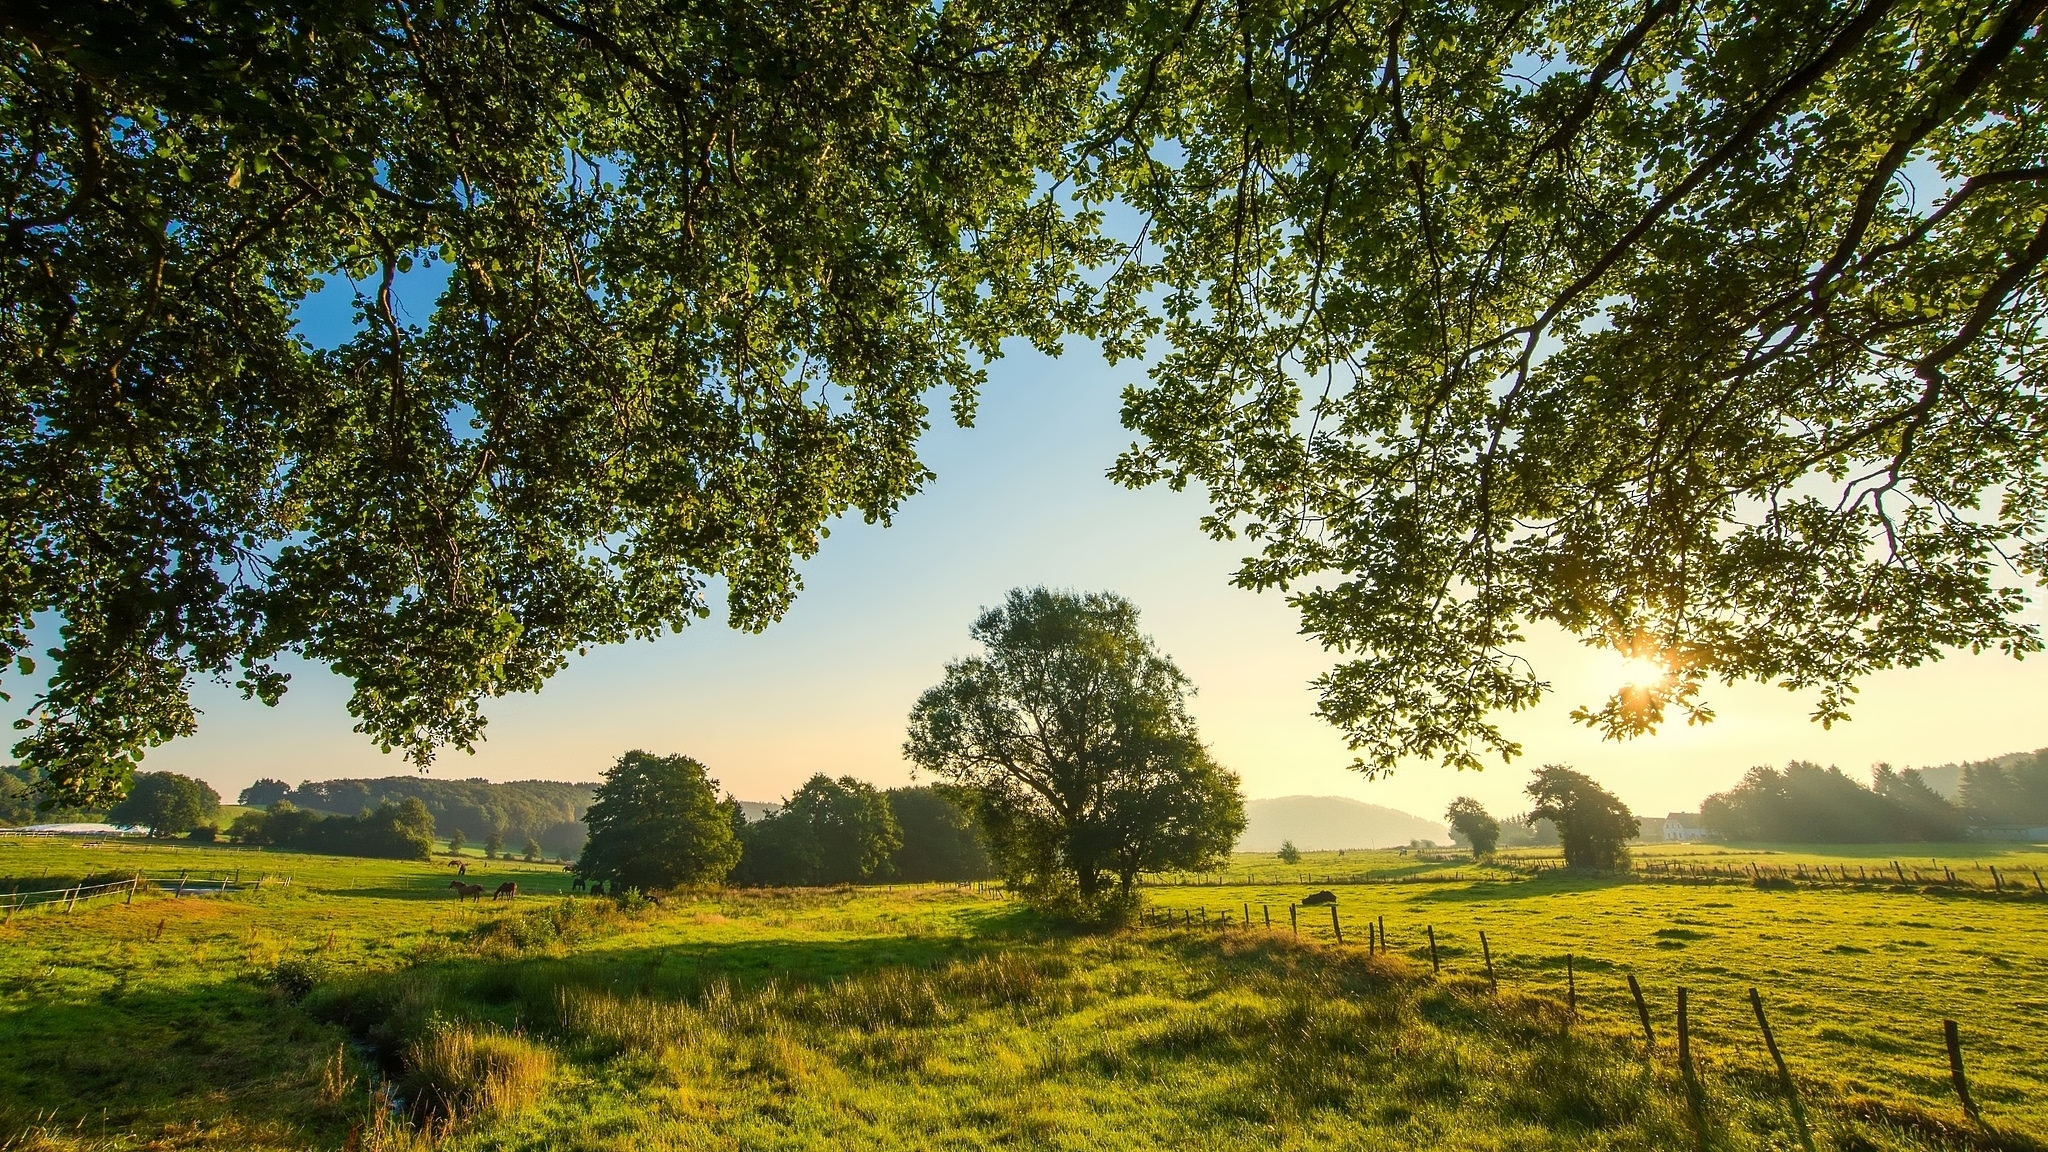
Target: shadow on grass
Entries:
(1534, 887)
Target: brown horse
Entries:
(507, 891)
(467, 891)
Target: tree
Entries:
(827, 832)
(1655, 344)
(643, 297)
(456, 841)
(1070, 738)
(531, 852)
(940, 838)
(265, 792)
(494, 845)
(167, 804)
(1806, 803)
(1469, 820)
(1622, 318)
(1289, 854)
(1593, 824)
(657, 823)
(402, 831)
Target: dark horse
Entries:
(1324, 897)
(467, 891)
(506, 891)
(578, 886)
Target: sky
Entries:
(1021, 499)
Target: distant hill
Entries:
(549, 811)
(1318, 823)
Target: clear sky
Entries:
(1021, 499)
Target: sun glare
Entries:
(1636, 672)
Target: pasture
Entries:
(361, 1005)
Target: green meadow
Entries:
(357, 1004)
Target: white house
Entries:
(1684, 826)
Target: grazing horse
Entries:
(579, 885)
(1324, 897)
(467, 891)
(597, 888)
(506, 891)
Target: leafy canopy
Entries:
(1706, 332)
(167, 804)
(657, 823)
(1710, 333)
(1069, 736)
(694, 272)
(827, 832)
(1470, 820)
(1592, 823)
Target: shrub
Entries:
(459, 1071)
(296, 976)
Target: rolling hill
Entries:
(1318, 823)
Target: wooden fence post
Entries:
(1433, 968)
(1487, 951)
(1642, 1012)
(1756, 1001)
(1334, 926)
(1571, 986)
(1997, 882)
(1293, 924)
(1383, 933)
(1684, 1038)
(1267, 912)
(1955, 1070)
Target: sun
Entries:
(1634, 674)
(1643, 672)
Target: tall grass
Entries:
(460, 1071)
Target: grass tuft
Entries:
(459, 1072)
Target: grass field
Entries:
(359, 1005)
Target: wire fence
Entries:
(124, 890)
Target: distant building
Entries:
(1684, 826)
(2012, 832)
(1649, 829)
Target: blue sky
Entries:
(1021, 499)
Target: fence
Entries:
(1376, 944)
(70, 897)
(1975, 878)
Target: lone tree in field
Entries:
(167, 804)
(1071, 740)
(1289, 854)
(1469, 819)
(531, 852)
(494, 845)
(1593, 824)
(456, 841)
(656, 823)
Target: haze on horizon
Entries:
(1021, 499)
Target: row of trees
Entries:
(1593, 825)
(400, 831)
(1067, 742)
(1806, 803)
(845, 831)
(547, 812)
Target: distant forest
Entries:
(1806, 803)
(549, 811)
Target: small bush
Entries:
(459, 1071)
(296, 976)
(1774, 884)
